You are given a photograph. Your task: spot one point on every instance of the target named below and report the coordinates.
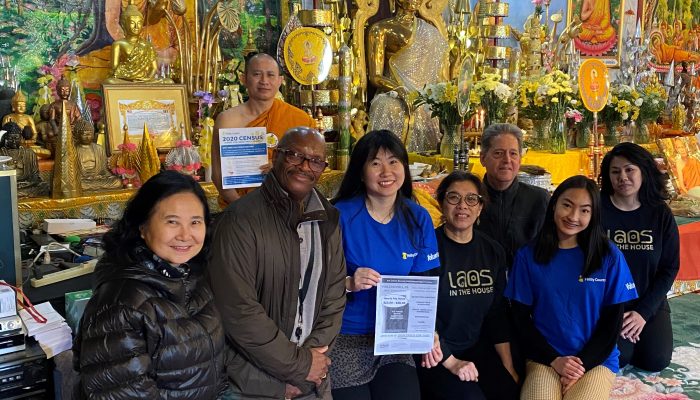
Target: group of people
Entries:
(275, 298)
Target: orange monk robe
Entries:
(281, 117)
(691, 173)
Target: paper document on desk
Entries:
(54, 335)
(405, 314)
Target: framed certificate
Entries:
(162, 107)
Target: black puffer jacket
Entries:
(146, 336)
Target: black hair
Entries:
(592, 240)
(653, 187)
(125, 235)
(365, 150)
(461, 176)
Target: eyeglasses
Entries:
(294, 158)
(455, 198)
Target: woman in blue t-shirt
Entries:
(384, 233)
(567, 290)
(640, 223)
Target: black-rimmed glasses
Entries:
(294, 158)
(455, 198)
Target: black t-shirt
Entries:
(470, 298)
(648, 237)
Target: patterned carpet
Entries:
(681, 380)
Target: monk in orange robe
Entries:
(262, 80)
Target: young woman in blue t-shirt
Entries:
(384, 233)
(640, 223)
(567, 290)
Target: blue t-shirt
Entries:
(387, 249)
(565, 307)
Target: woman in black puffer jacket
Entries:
(151, 329)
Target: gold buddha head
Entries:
(63, 88)
(19, 102)
(131, 20)
(84, 131)
(409, 5)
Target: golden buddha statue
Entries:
(404, 53)
(29, 182)
(596, 27)
(133, 58)
(56, 108)
(18, 116)
(92, 160)
(26, 124)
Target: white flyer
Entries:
(406, 310)
(243, 151)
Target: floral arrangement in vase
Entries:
(544, 99)
(493, 95)
(442, 99)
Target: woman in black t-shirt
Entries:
(471, 319)
(637, 219)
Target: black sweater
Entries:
(648, 237)
(512, 217)
(470, 298)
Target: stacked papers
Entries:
(54, 335)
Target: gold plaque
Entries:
(593, 84)
(321, 97)
(496, 9)
(316, 17)
(308, 55)
(497, 53)
(495, 31)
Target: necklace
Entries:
(376, 216)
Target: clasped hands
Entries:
(570, 370)
(632, 326)
(317, 372)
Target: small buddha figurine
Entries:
(29, 182)
(45, 129)
(18, 116)
(92, 160)
(133, 58)
(55, 108)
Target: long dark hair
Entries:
(653, 188)
(592, 240)
(365, 150)
(125, 235)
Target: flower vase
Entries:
(449, 141)
(540, 134)
(640, 133)
(611, 137)
(557, 132)
(583, 135)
